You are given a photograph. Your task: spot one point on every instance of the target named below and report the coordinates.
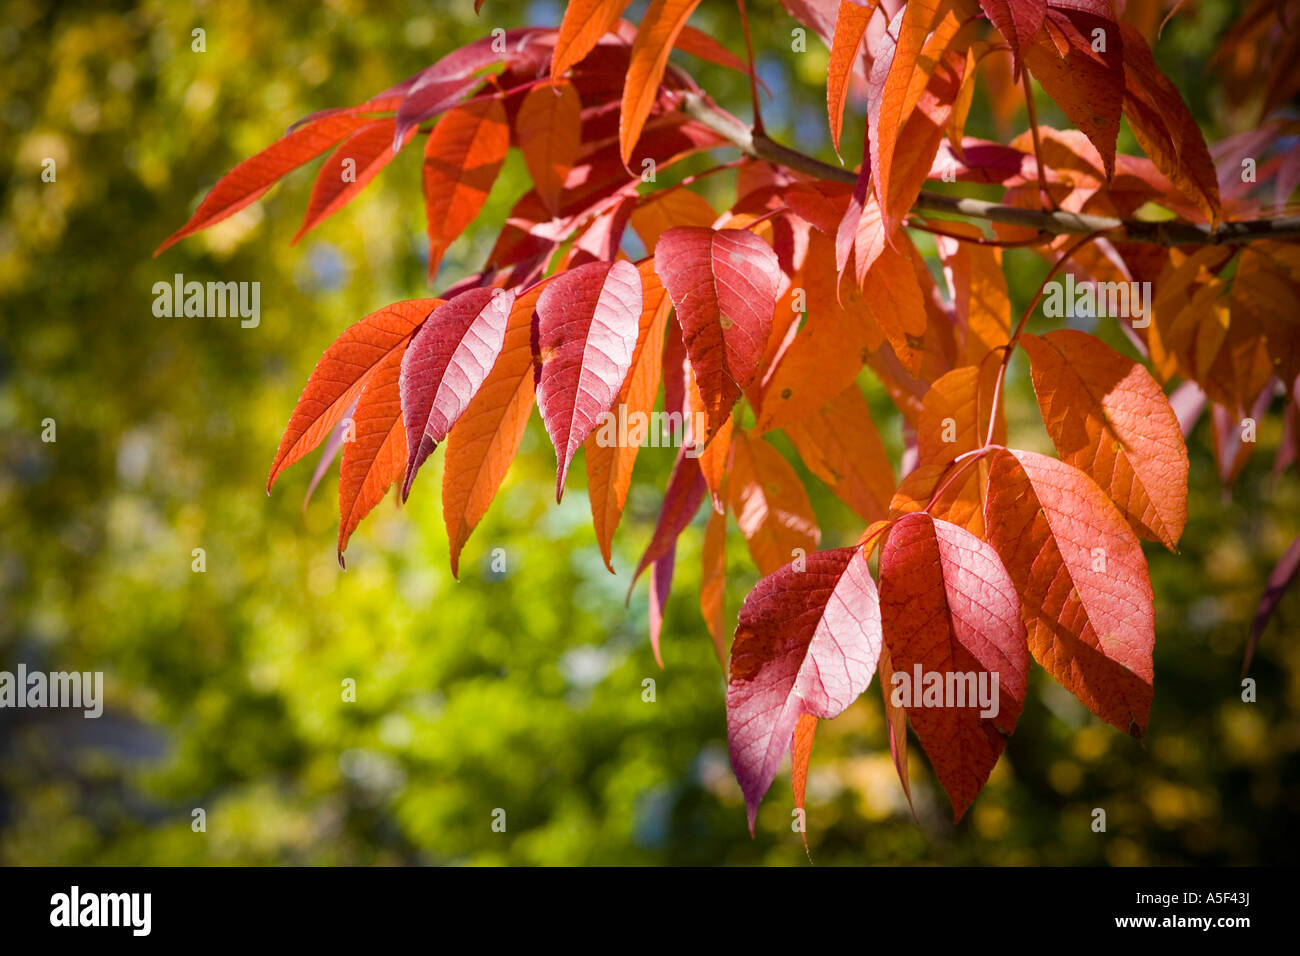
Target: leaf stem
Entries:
(1010, 347)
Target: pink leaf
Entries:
(587, 324)
(445, 364)
(807, 643)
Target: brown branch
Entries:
(1057, 222)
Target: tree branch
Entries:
(1058, 222)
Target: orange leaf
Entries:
(342, 372)
(255, 175)
(770, 504)
(713, 582)
(609, 463)
(897, 717)
(955, 413)
(1087, 84)
(840, 445)
(1164, 127)
(549, 128)
(1082, 578)
(850, 26)
(979, 290)
(484, 439)
(897, 78)
(662, 23)
(584, 23)
(800, 753)
(462, 157)
(368, 151)
(661, 211)
(376, 458)
(1109, 418)
(829, 350)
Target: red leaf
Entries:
(724, 285)
(662, 22)
(462, 157)
(254, 176)
(1083, 583)
(588, 320)
(1108, 417)
(444, 366)
(1017, 20)
(341, 373)
(660, 585)
(369, 151)
(549, 129)
(1164, 127)
(948, 608)
(442, 85)
(807, 643)
(699, 44)
(1279, 579)
(682, 499)
(1087, 84)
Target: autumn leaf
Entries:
(462, 157)
(1163, 126)
(444, 366)
(1017, 21)
(724, 285)
(949, 609)
(850, 27)
(549, 129)
(1083, 583)
(807, 643)
(484, 440)
(342, 372)
(682, 499)
(829, 350)
(1078, 57)
(662, 22)
(771, 507)
(588, 322)
(898, 76)
(713, 582)
(584, 23)
(609, 463)
(670, 208)
(375, 459)
(1108, 417)
(979, 291)
(661, 582)
(839, 444)
(250, 179)
(367, 151)
(801, 743)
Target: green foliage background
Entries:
(521, 690)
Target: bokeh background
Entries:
(520, 690)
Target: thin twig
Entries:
(1059, 222)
